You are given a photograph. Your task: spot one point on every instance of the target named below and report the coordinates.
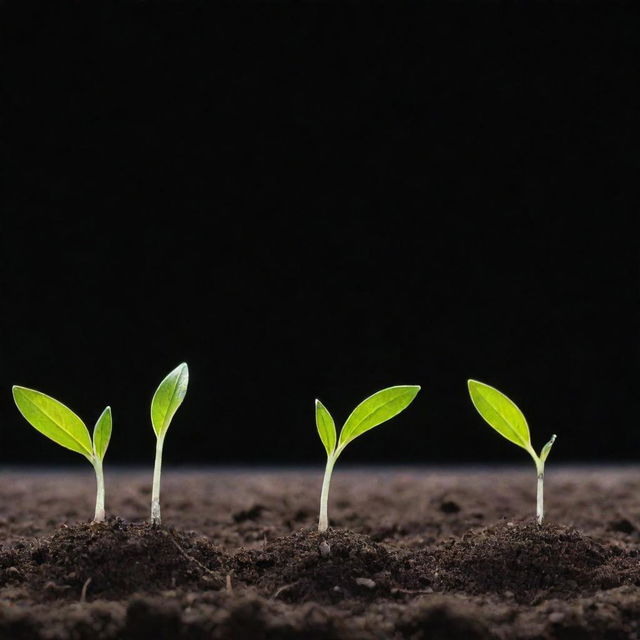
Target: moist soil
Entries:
(411, 553)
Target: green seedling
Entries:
(60, 424)
(505, 417)
(166, 401)
(371, 412)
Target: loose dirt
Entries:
(438, 554)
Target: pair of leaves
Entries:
(504, 416)
(371, 412)
(63, 426)
(56, 421)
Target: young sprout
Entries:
(371, 412)
(166, 400)
(60, 424)
(503, 415)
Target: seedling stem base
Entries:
(323, 522)
(99, 515)
(155, 494)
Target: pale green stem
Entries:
(97, 465)
(540, 461)
(155, 493)
(323, 521)
(540, 493)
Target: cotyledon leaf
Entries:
(168, 398)
(376, 409)
(546, 449)
(53, 419)
(326, 427)
(102, 433)
(501, 413)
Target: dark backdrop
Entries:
(308, 201)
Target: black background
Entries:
(305, 200)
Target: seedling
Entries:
(166, 400)
(371, 412)
(60, 424)
(505, 417)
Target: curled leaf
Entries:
(102, 433)
(546, 449)
(326, 427)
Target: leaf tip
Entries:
(16, 390)
(474, 385)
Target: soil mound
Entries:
(326, 567)
(113, 560)
(522, 560)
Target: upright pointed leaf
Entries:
(168, 397)
(376, 409)
(53, 419)
(546, 449)
(326, 427)
(501, 413)
(102, 433)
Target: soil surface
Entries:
(412, 553)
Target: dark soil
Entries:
(411, 554)
(533, 563)
(112, 559)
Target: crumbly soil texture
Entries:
(411, 553)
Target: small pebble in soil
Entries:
(366, 582)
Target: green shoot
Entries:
(166, 401)
(371, 412)
(505, 417)
(60, 424)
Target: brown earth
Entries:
(412, 553)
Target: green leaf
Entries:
(168, 397)
(53, 419)
(102, 433)
(501, 413)
(376, 409)
(546, 449)
(326, 427)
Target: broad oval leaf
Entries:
(501, 413)
(102, 433)
(376, 409)
(168, 397)
(326, 427)
(53, 419)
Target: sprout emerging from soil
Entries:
(166, 400)
(505, 417)
(371, 412)
(60, 424)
